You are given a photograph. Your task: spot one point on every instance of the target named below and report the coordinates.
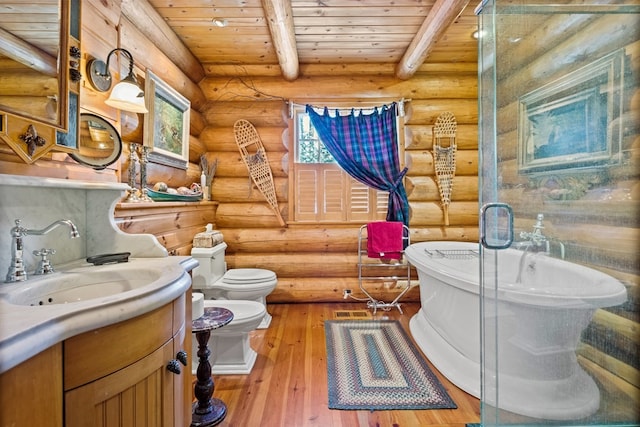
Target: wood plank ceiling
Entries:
(289, 34)
(28, 23)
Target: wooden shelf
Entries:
(156, 205)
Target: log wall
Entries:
(173, 223)
(317, 262)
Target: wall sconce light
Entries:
(127, 94)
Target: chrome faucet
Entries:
(538, 240)
(17, 271)
(536, 237)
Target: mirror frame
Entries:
(98, 164)
(31, 138)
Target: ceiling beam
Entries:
(280, 19)
(149, 22)
(28, 54)
(440, 17)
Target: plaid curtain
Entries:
(366, 147)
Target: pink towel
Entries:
(384, 239)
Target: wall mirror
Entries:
(99, 142)
(35, 65)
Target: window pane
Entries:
(310, 148)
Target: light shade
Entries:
(127, 96)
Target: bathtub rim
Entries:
(616, 293)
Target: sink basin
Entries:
(81, 284)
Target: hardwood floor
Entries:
(288, 384)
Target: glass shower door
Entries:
(559, 138)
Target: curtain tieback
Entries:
(398, 181)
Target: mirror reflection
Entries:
(30, 45)
(99, 144)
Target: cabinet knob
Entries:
(182, 357)
(173, 366)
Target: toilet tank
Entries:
(212, 265)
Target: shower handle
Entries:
(492, 218)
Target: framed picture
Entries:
(573, 122)
(166, 128)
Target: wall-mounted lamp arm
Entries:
(126, 95)
(98, 71)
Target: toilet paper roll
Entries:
(197, 305)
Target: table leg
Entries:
(207, 411)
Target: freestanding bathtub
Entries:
(540, 314)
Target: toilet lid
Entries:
(248, 275)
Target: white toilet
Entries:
(231, 352)
(215, 282)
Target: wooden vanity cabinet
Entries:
(112, 376)
(31, 393)
(118, 376)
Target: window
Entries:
(322, 191)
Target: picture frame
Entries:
(573, 122)
(166, 127)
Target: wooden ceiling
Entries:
(289, 34)
(35, 22)
(30, 34)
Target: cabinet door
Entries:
(101, 352)
(31, 393)
(142, 394)
(183, 383)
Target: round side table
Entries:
(207, 411)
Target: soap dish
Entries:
(109, 258)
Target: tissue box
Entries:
(207, 239)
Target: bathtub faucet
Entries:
(537, 241)
(17, 271)
(536, 237)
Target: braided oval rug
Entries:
(373, 365)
